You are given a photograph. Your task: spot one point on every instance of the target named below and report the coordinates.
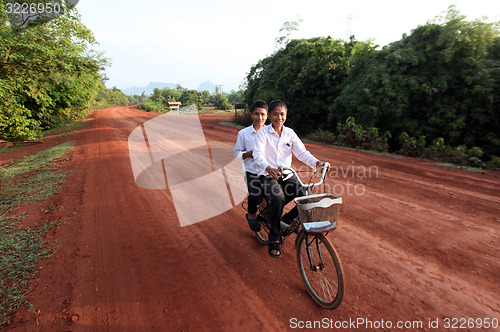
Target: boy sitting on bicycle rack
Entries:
(274, 146)
(243, 150)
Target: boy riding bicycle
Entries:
(243, 150)
(274, 146)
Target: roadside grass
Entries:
(231, 124)
(450, 165)
(213, 111)
(385, 154)
(58, 132)
(10, 148)
(66, 128)
(29, 180)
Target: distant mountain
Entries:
(134, 90)
(209, 86)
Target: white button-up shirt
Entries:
(273, 150)
(244, 143)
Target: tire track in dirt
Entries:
(449, 254)
(143, 268)
(410, 249)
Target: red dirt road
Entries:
(419, 244)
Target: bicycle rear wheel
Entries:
(321, 269)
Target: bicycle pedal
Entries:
(292, 228)
(283, 226)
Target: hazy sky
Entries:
(193, 41)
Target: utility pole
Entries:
(349, 32)
(220, 89)
(349, 28)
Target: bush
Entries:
(17, 125)
(110, 97)
(243, 119)
(493, 164)
(354, 135)
(350, 134)
(439, 151)
(410, 146)
(221, 102)
(153, 106)
(323, 136)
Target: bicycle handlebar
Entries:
(326, 167)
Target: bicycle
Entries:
(319, 264)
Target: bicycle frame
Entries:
(319, 264)
(308, 188)
(308, 244)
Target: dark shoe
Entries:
(276, 247)
(254, 224)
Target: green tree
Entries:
(221, 102)
(308, 75)
(236, 97)
(170, 94)
(48, 74)
(205, 96)
(440, 81)
(110, 97)
(285, 31)
(138, 99)
(159, 95)
(191, 97)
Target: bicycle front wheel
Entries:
(321, 269)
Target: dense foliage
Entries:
(440, 82)
(307, 74)
(113, 97)
(48, 75)
(158, 101)
(443, 80)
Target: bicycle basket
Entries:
(318, 208)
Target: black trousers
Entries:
(280, 194)
(254, 192)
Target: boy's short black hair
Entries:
(277, 103)
(258, 104)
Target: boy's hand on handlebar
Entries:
(273, 172)
(321, 164)
(248, 154)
